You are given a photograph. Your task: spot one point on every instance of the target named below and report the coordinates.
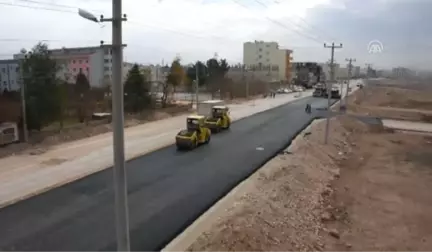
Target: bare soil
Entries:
(40, 141)
(393, 102)
(367, 190)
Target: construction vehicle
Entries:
(321, 91)
(335, 94)
(195, 134)
(219, 119)
(307, 74)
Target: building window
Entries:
(74, 69)
(4, 83)
(3, 70)
(80, 70)
(260, 49)
(86, 61)
(73, 61)
(80, 61)
(106, 68)
(106, 60)
(12, 81)
(87, 69)
(259, 56)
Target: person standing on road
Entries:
(308, 108)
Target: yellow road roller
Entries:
(218, 119)
(196, 133)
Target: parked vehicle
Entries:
(8, 133)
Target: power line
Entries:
(36, 7)
(55, 5)
(312, 27)
(277, 22)
(74, 12)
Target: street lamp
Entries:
(120, 179)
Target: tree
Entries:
(216, 73)
(191, 73)
(174, 79)
(82, 86)
(136, 90)
(42, 96)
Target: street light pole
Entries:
(120, 177)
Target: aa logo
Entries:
(375, 46)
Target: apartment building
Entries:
(95, 62)
(9, 75)
(259, 54)
(402, 72)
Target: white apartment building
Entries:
(260, 53)
(9, 75)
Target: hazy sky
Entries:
(197, 29)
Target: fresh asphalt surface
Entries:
(167, 189)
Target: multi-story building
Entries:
(402, 72)
(9, 75)
(94, 62)
(356, 71)
(259, 54)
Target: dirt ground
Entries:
(393, 102)
(369, 189)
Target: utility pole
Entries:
(329, 88)
(120, 177)
(350, 60)
(246, 81)
(196, 84)
(368, 68)
(23, 101)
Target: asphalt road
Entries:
(168, 190)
